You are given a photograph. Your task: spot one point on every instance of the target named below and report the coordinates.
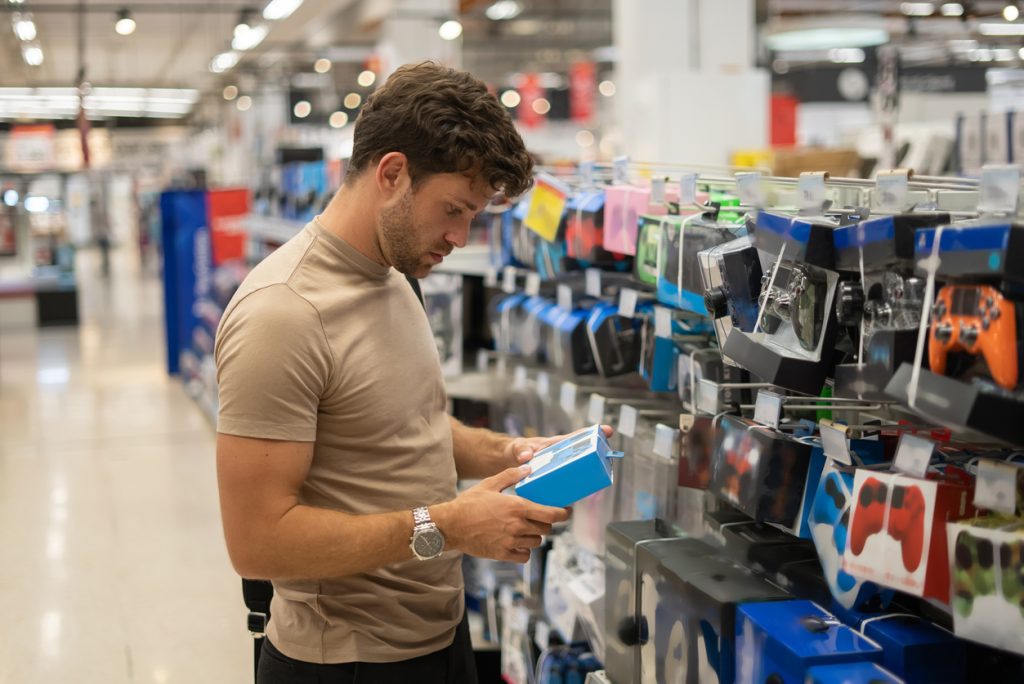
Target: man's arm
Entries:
(271, 535)
(482, 453)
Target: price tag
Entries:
(482, 360)
(519, 620)
(627, 421)
(768, 408)
(664, 438)
(833, 442)
(501, 368)
(543, 384)
(748, 186)
(542, 635)
(657, 191)
(996, 486)
(662, 322)
(627, 302)
(532, 284)
(564, 297)
(505, 597)
(892, 189)
(508, 280)
(688, 190)
(811, 190)
(519, 378)
(567, 397)
(620, 170)
(1000, 189)
(586, 171)
(593, 286)
(913, 455)
(491, 277)
(595, 409)
(707, 397)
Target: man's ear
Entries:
(393, 175)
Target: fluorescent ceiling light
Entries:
(1004, 55)
(224, 62)
(917, 9)
(24, 27)
(827, 38)
(125, 25)
(65, 103)
(846, 55)
(277, 10)
(503, 10)
(450, 30)
(249, 38)
(952, 9)
(1011, 12)
(1001, 29)
(32, 54)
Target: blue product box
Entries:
(855, 673)
(883, 241)
(918, 651)
(805, 240)
(658, 366)
(570, 470)
(679, 282)
(778, 642)
(980, 251)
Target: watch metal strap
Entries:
(421, 516)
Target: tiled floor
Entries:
(112, 563)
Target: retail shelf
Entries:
(272, 229)
(472, 260)
(474, 386)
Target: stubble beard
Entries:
(398, 238)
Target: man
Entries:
(336, 459)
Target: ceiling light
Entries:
(353, 100)
(827, 38)
(230, 92)
(276, 10)
(510, 99)
(223, 62)
(244, 103)
(11, 197)
(1001, 29)
(917, 9)
(503, 10)
(366, 78)
(322, 65)
(302, 109)
(846, 55)
(37, 204)
(338, 119)
(952, 9)
(125, 25)
(245, 21)
(250, 38)
(450, 30)
(584, 138)
(32, 54)
(541, 106)
(606, 88)
(1004, 54)
(1011, 12)
(24, 26)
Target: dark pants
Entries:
(452, 665)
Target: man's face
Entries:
(427, 223)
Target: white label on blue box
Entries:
(564, 297)
(627, 302)
(533, 284)
(627, 421)
(996, 486)
(768, 408)
(593, 283)
(595, 409)
(833, 442)
(662, 322)
(567, 397)
(508, 280)
(913, 455)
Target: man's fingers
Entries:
(533, 527)
(608, 430)
(518, 555)
(546, 514)
(506, 478)
(528, 542)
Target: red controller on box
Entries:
(897, 529)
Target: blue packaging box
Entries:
(855, 673)
(780, 641)
(918, 651)
(570, 470)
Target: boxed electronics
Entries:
(567, 471)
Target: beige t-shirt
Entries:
(320, 344)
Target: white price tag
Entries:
(768, 408)
(593, 282)
(567, 397)
(996, 486)
(664, 438)
(595, 409)
(508, 280)
(707, 397)
(1000, 189)
(505, 597)
(543, 384)
(587, 172)
(519, 378)
(892, 189)
(811, 190)
(627, 302)
(542, 634)
(748, 187)
(519, 620)
(834, 443)
(688, 190)
(662, 322)
(564, 297)
(620, 170)
(501, 368)
(657, 191)
(913, 455)
(482, 360)
(532, 284)
(627, 421)
(491, 277)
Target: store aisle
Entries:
(112, 563)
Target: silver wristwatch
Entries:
(427, 541)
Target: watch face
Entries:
(428, 544)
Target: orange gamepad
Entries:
(976, 319)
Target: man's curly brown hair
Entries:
(444, 121)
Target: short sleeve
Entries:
(273, 365)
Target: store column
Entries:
(687, 89)
(409, 33)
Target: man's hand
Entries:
(485, 523)
(520, 450)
